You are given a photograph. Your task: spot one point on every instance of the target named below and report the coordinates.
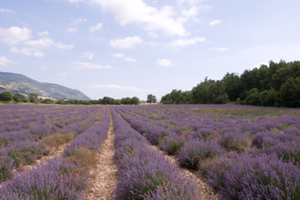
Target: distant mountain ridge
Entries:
(17, 83)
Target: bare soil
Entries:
(105, 179)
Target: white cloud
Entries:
(85, 65)
(43, 34)
(60, 45)
(129, 59)
(95, 28)
(215, 22)
(164, 62)
(27, 51)
(119, 87)
(88, 55)
(38, 54)
(126, 43)
(77, 21)
(138, 12)
(15, 35)
(151, 43)
(43, 42)
(72, 30)
(219, 49)
(7, 11)
(154, 35)
(192, 12)
(118, 55)
(186, 42)
(4, 61)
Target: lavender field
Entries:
(240, 152)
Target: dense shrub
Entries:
(235, 142)
(194, 151)
(171, 144)
(255, 177)
(56, 179)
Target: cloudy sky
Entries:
(126, 48)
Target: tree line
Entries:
(33, 98)
(275, 85)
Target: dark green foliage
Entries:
(6, 96)
(108, 100)
(135, 101)
(128, 101)
(290, 93)
(60, 101)
(210, 92)
(20, 98)
(71, 101)
(151, 98)
(47, 101)
(125, 101)
(177, 97)
(275, 85)
(253, 97)
(33, 97)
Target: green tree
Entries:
(6, 96)
(151, 98)
(108, 100)
(33, 97)
(290, 93)
(47, 101)
(135, 101)
(225, 98)
(19, 98)
(117, 102)
(71, 101)
(201, 92)
(126, 101)
(253, 97)
(232, 85)
(60, 101)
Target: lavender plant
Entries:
(55, 179)
(194, 151)
(235, 142)
(255, 177)
(143, 172)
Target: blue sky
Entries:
(129, 48)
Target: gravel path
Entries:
(105, 174)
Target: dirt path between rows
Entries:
(105, 179)
(204, 190)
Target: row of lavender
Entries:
(29, 117)
(23, 147)
(255, 161)
(143, 172)
(60, 178)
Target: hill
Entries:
(17, 83)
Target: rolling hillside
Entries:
(19, 83)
